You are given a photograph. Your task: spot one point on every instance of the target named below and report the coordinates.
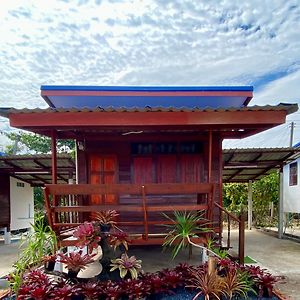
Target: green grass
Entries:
(249, 260)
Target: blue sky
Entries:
(160, 42)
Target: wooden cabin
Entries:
(143, 150)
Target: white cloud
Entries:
(144, 42)
(282, 90)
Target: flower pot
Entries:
(72, 274)
(49, 265)
(105, 228)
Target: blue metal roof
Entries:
(147, 96)
(144, 88)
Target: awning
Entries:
(239, 165)
(242, 165)
(36, 169)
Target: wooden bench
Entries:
(66, 204)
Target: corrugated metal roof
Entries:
(242, 165)
(289, 108)
(36, 169)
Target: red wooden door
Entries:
(142, 170)
(190, 168)
(103, 170)
(167, 169)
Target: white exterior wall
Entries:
(21, 204)
(291, 193)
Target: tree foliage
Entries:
(265, 191)
(35, 143)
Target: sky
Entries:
(147, 42)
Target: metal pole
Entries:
(292, 134)
(281, 213)
(250, 204)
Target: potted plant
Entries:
(49, 262)
(106, 219)
(75, 262)
(126, 265)
(185, 225)
(87, 235)
(119, 239)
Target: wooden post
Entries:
(228, 232)
(250, 206)
(53, 157)
(241, 238)
(209, 156)
(145, 212)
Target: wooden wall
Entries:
(4, 200)
(122, 150)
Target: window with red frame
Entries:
(294, 173)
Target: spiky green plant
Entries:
(209, 285)
(185, 226)
(126, 264)
(237, 284)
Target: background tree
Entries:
(35, 143)
(265, 191)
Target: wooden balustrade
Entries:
(68, 205)
(241, 223)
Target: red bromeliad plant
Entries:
(155, 282)
(111, 290)
(135, 289)
(263, 281)
(90, 290)
(119, 238)
(171, 278)
(62, 291)
(87, 235)
(35, 285)
(75, 261)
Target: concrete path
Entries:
(280, 257)
(8, 255)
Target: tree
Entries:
(31, 142)
(265, 191)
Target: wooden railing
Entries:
(241, 223)
(68, 205)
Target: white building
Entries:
(291, 187)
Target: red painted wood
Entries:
(167, 169)
(5, 200)
(190, 168)
(53, 157)
(103, 170)
(144, 119)
(142, 170)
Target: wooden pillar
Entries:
(281, 213)
(241, 238)
(250, 206)
(53, 157)
(209, 156)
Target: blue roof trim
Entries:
(144, 88)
